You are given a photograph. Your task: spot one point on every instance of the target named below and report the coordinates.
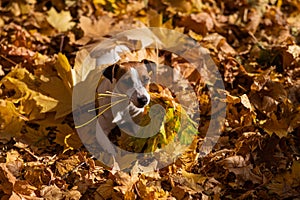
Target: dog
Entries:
(121, 97)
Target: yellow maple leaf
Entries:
(56, 89)
(27, 94)
(63, 68)
(61, 21)
(10, 121)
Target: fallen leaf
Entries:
(61, 21)
(220, 43)
(67, 165)
(286, 183)
(254, 17)
(125, 181)
(11, 122)
(241, 169)
(279, 127)
(55, 87)
(63, 68)
(246, 102)
(38, 175)
(94, 29)
(22, 187)
(66, 137)
(105, 190)
(7, 179)
(32, 102)
(200, 23)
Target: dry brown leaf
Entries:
(279, 127)
(239, 166)
(53, 192)
(200, 23)
(94, 29)
(178, 6)
(105, 190)
(7, 179)
(125, 181)
(254, 17)
(67, 165)
(38, 175)
(22, 187)
(219, 43)
(285, 184)
(246, 102)
(14, 163)
(148, 189)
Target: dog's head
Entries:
(132, 79)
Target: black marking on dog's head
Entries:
(111, 71)
(150, 65)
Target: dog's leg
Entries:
(107, 146)
(103, 140)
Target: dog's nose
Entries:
(143, 100)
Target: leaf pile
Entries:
(255, 45)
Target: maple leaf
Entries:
(32, 102)
(38, 96)
(95, 28)
(11, 121)
(63, 68)
(61, 21)
(83, 65)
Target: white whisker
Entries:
(109, 106)
(110, 94)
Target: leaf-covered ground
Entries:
(255, 45)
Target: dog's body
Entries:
(123, 86)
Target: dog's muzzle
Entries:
(140, 100)
(143, 100)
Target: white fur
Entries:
(121, 113)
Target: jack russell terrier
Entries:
(121, 97)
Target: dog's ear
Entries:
(150, 65)
(111, 71)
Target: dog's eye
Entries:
(145, 80)
(128, 82)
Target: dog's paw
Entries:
(118, 118)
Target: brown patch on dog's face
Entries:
(118, 70)
(128, 78)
